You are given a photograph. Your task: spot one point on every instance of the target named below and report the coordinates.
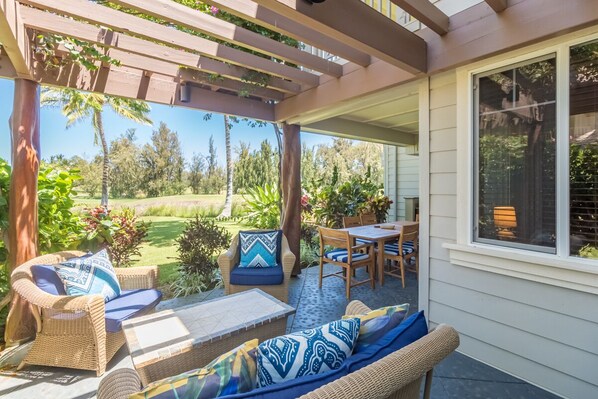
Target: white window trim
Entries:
(556, 269)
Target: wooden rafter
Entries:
(257, 14)
(358, 25)
(132, 83)
(181, 15)
(427, 13)
(52, 23)
(497, 5)
(120, 21)
(14, 38)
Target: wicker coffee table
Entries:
(173, 341)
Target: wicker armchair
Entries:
(71, 330)
(230, 260)
(396, 376)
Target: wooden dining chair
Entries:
(346, 256)
(368, 218)
(400, 254)
(351, 221)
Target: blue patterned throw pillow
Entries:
(308, 352)
(91, 275)
(259, 248)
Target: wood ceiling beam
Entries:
(52, 23)
(7, 70)
(132, 83)
(257, 14)
(497, 5)
(120, 21)
(361, 131)
(360, 26)
(426, 13)
(14, 38)
(192, 19)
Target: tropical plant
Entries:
(262, 207)
(77, 106)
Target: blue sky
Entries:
(193, 131)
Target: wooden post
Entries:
(291, 189)
(22, 212)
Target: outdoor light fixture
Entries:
(185, 93)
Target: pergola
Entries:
(168, 66)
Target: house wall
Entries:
(401, 179)
(530, 315)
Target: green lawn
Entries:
(160, 248)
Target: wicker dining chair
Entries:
(400, 254)
(346, 256)
(368, 218)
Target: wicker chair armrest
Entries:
(287, 257)
(382, 379)
(119, 384)
(137, 277)
(229, 259)
(356, 307)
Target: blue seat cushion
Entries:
(342, 255)
(257, 275)
(362, 241)
(393, 249)
(46, 278)
(130, 304)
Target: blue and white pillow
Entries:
(91, 275)
(308, 352)
(260, 248)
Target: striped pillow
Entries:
(375, 324)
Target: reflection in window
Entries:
(583, 149)
(516, 150)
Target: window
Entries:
(520, 150)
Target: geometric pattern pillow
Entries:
(90, 275)
(375, 324)
(231, 373)
(307, 352)
(259, 249)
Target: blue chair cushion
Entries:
(342, 255)
(362, 241)
(393, 249)
(257, 275)
(259, 248)
(130, 304)
(45, 277)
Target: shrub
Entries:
(262, 204)
(199, 244)
(120, 233)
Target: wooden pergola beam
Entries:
(427, 13)
(497, 5)
(14, 38)
(355, 130)
(257, 14)
(358, 25)
(120, 21)
(52, 23)
(181, 15)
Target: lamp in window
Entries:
(505, 221)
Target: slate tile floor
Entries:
(458, 376)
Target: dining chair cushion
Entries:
(229, 374)
(307, 352)
(257, 275)
(362, 241)
(375, 324)
(393, 249)
(91, 275)
(342, 255)
(129, 304)
(45, 277)
(260, 248)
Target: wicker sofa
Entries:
(398, 375)
(71, 330)
(229, 260)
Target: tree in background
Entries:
(77, 106)
(125, 173)
(215, 180)
(196, 175)
(255, 168)
(163, 163)
(228, 201)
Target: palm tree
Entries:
(228, 202)
(77, 106)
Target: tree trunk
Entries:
(228, 202)
(278, 134)
(105, 160)
(291, 189)
(22, 212)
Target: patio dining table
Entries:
(380, 233)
